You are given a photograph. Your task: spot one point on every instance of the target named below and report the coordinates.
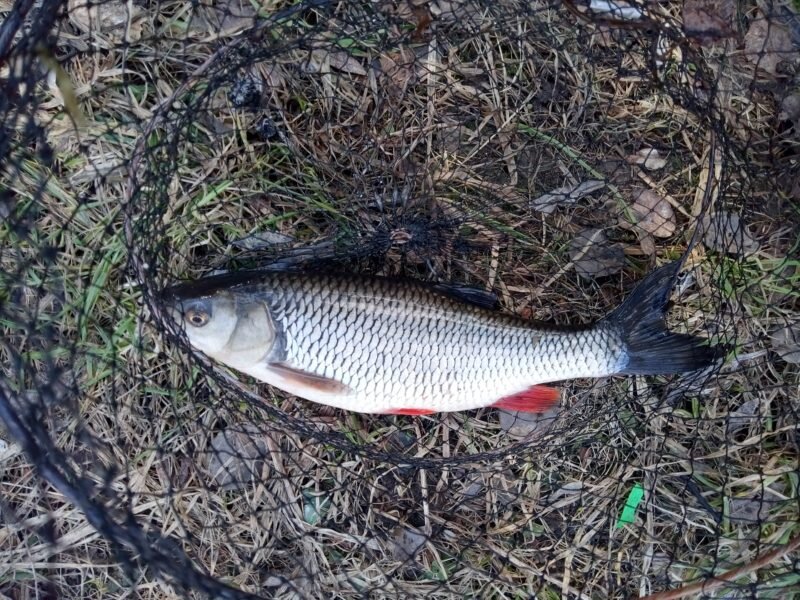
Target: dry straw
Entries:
(552, 153)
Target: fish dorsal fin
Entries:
(470, 295)
(303, 380)
(536, 399)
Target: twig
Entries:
(719, 580)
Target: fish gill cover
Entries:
(554, 153)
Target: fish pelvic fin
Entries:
(411, 412)
(650, 347)
(536, 399)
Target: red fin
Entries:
(536, 399)
(410, 411)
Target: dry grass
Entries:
(419, 157)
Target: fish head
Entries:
(208, 321)
(232, 327)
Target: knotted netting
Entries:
(553, 153)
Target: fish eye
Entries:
(197, 317)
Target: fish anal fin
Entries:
(303, 380)
(536, 399)
(411, 412)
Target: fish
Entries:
(381, 345)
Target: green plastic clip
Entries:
(631, 504)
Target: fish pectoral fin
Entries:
(301, 380)
(536, 399)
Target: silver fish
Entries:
(375, 345)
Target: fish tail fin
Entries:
(650, 347)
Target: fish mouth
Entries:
(171, 300)
(172, 309)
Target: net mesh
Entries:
(553, 153)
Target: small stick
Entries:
(717, 581)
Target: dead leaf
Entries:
(653, 213)
(649, 158)
(521, 424)
(398, 68)
(463, 11)
(451, 137)
(571, 488)
(566, 195)
(237, 457)
(474, 488)
(616, 9)
(229, 17)
(708, 20)
(790, 109)
(754, 508)
(259, 241)
(768, 43)
(111, 19)
(748, 510)
(647, 243)
(594, 256)
(744, 416)
(342, 61)
(407, 543)
(786, 343)
(724, 232)
(272, 74)
(321, 61)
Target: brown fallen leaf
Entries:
(654, 215)
(768, 43)
(398, 68)
(786, 343)
(723, 231)
(594, 256)
(647, 243)
(790, 109)
(520, 424)
(566, 195)
(340, 60)
(272, 74)
(709, 20)
(649, 158)
(259, 241)
(229, 17)
(755, 507)
(618, 10)
(744, 416)
(112, 19)
(451, 11)
(407, 543)
(237, 456)
(568, 489)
